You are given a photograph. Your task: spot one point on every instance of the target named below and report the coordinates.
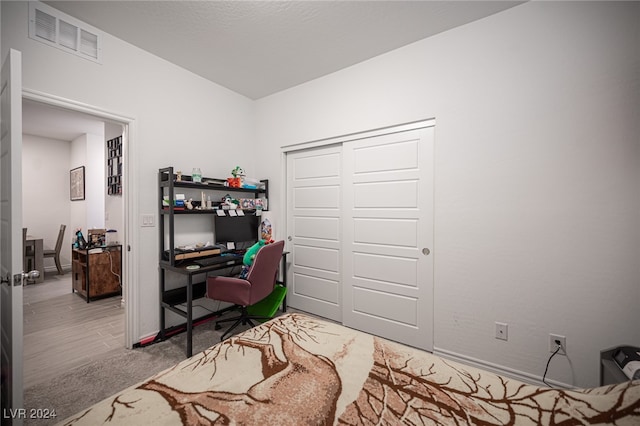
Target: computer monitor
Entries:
(242, 231)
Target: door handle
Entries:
(426, 251)
(31, 275)
(289, 238)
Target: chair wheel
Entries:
(217, 327)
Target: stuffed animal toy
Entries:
(249, 255)
(251, 252)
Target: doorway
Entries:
(104, 322)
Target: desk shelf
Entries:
(168, 186)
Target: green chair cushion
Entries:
(268, 306)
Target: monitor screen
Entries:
(241, 230)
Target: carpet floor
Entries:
(114, 371)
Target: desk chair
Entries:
(55, 253)
(258, 284)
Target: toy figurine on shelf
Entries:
(229, 203)
(236, 180)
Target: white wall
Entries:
(78, 217)
(181, 120)
(45, 188)
(537, 171)
(88, 150)
(95, 191)
(114, 204)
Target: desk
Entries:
(169, 299)
(36, 245)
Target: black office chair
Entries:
(55, 253)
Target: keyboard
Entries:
(219, 260)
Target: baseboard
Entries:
(499, 369)
(66, 268)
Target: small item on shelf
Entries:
(247, 203)
(178, 176)
(196, 175)
(266, 230)
(251, 183)
(96, 237)
(111, 237)
(80, 243)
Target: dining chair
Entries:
(257, 286)
(55, 253)
(28, 256)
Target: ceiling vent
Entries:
(56, 29)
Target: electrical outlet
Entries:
(553, 345)
(502, 331)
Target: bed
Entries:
(299, 370)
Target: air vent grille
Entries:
(45, 26)
(56, 29)
(89, 44)
(68, 36)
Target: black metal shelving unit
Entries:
(170, 299)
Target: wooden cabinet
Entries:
(97, 272)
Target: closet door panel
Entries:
(387, 223)
(314, 198)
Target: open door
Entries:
(11, 237)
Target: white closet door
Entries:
(314, 231)
(388, 235)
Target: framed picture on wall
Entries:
(77, 183)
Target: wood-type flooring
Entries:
(62, 331)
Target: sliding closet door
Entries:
(314, 229)
(388, 235)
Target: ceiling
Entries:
(256, 48)
(50, 122)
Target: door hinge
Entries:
(17, 279)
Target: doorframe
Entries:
(365, 134)
(130, 194)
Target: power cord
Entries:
(111, 268)
(559, 346)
